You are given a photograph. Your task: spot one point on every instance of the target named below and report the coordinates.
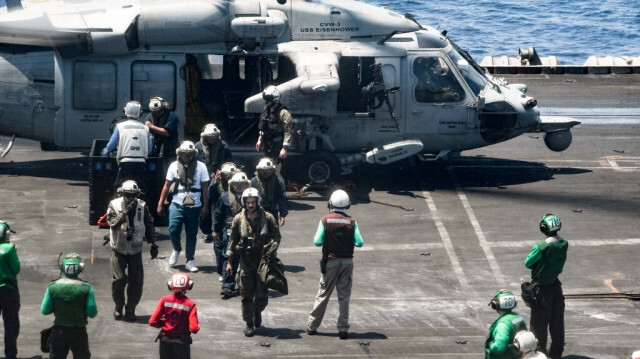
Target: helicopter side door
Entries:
(436, 100)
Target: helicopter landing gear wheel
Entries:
(320, 167)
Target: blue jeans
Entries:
(190, 217)
(228, 281)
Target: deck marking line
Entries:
(482, 240)
(446, 240)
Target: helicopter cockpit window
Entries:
(474, 79)
(436, 83)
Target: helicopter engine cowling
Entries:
(558, 141)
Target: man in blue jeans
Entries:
(190, 181)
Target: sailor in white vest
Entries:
(131, 223)
(134, 144)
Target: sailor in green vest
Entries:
(71, 300)
(499, 342)
(546, 261)
(9, 294)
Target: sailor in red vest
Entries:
(177, 316)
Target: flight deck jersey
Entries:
(546, 260)
(71, 300)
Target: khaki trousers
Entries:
(339, 276)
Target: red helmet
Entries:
(180, 281)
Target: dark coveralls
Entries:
(275, 125)
(222, 219)
(546, 261)
(165, 147)
(248, 238)
(273, 195)
(223, 155)
(9, 297)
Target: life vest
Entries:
(133, 145)
(270, 123)
(339, 235)
(119, 240)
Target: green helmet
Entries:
(72, 265)
(503, 300)
(550, 224)
(5, 231)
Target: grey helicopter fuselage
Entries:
(355, 77)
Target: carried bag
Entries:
(45, 339)
(531, 294)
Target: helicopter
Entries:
(364, 84)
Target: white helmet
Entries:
(228, 169)
(339, 199)
(239, 178)
(271, 94)
(266, 166)
(210, 134)
(130, 186)
(132, 109)
(250, 193)
(186, 147)
(157, 104)
(525, 341)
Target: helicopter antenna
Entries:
(387, 37)
(410, 16)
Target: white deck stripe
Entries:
(572, 242)
(495, 268)
(446, 240)
(482, 240)
(368, 247)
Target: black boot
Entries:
(249, 331)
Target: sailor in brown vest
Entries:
(338, 234)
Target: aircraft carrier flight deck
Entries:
(439, 241)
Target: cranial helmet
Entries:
(228, 169)
(503, 300)
(157, 104)
(210, 134)
(239, 178)
(339, 199)
(5, 231)
(187, 147)
(132, 109)
(526, 341)
(130, 187)
(72, 265)
(266, 167)
(250, 193)
(271, 94)
(180, 281)
(550, 224)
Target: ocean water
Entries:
(571, 30)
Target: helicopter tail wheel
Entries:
(321, 167)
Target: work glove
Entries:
(104, 152)
(154, 251)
